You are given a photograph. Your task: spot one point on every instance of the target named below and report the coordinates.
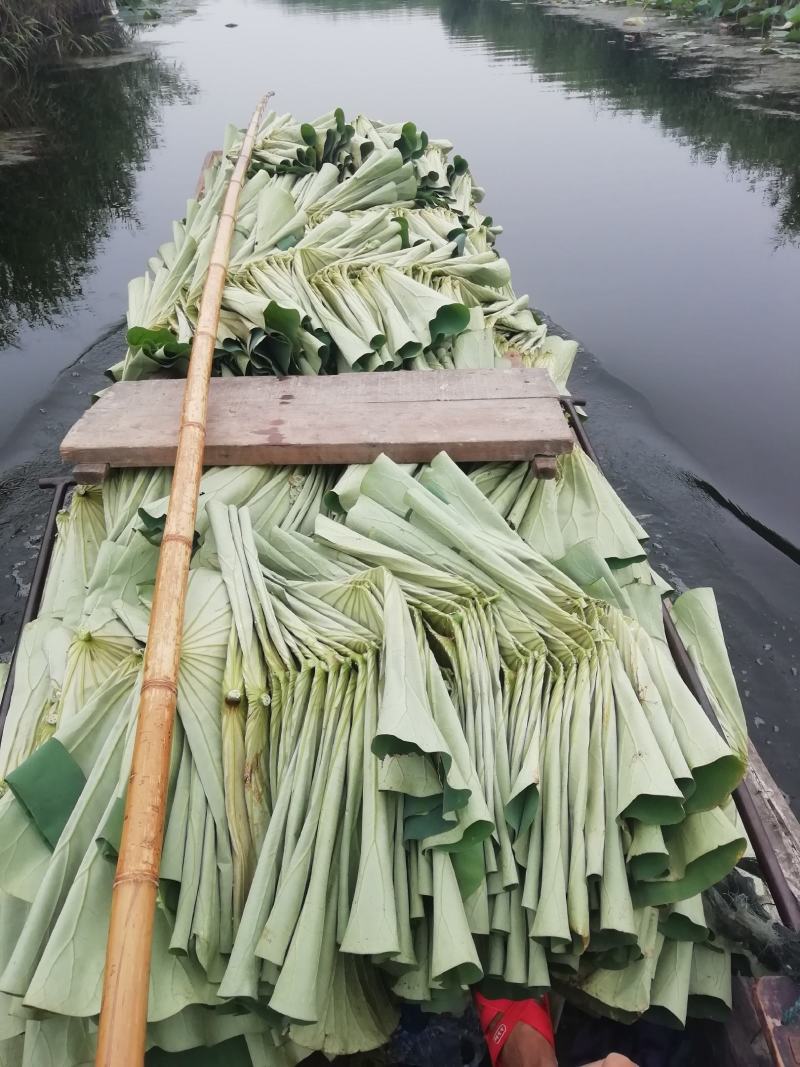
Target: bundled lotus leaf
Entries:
(358, 246)
(429, 735)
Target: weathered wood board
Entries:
(780, 822)
(511, 414)
(773, 995)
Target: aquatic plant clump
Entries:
(763, 15)
(429, 732)
(30, 29)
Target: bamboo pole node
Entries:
(122, 1031)
(136, 878)
(180, 538)
(160, 683)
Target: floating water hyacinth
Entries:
(429, 734)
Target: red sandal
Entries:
(499, 1017)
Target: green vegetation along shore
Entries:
(32, 28)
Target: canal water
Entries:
(644, 210)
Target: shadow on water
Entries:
(90, 131)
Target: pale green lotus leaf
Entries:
(353, 1015)
(710, 994)
(716, 770)
(13, 913)
(453, 950)
(79, 535)
(629, 640)
(589, 509)
(242, 975)
(77, 837)
(625, 994)
(616, 907)
(295, 994)
(551, 923)
(646, 789)
(299, 849)
(540, 525)
(670, 990)
(647, 856)
(267, 1051)
(59, 1042)
(68, 980)
(24, 854)
(199, 1026)
(685, 920)
(38, 680)
(372, 923)
(93, 657)
(558, 355)
(702, 849)
(698, 623)
(578, 792)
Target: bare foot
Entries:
(527, 1048)
(613, 1060)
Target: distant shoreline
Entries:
(768, 81)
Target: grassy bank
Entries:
(32, 28)
(763, 15)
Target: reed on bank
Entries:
(30, 29)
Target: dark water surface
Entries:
(648, 213)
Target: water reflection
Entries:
(654, 217)
(595, 62)
(94, 128)
(688, 107)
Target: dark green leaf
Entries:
(451, 319)
(155, 341)
(282, 320)
(402, 222)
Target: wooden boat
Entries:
(512, 414)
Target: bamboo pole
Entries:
(123, 1015)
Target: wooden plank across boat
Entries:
(477, 415)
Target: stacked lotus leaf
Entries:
(429, 733)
